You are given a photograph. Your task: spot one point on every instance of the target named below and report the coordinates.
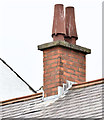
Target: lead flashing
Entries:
(64, 44)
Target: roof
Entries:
(17, 75)
(81, 101)
(10, 80)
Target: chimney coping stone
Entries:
(64, 44)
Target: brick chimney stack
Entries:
(62, 59)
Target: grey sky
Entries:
(24, 24)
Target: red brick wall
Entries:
(61, 64)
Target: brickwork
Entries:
(61, 64)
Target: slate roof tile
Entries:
(84, 102)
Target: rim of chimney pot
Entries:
(69, 7)
(76, 37)
(58, 34)
(59, 4)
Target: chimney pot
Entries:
(70, 25)
(58, 30)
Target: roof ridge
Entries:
(89, 83)
(20, 99)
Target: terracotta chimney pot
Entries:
(58, 30)
(70, 25)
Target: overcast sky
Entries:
(24, 24)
